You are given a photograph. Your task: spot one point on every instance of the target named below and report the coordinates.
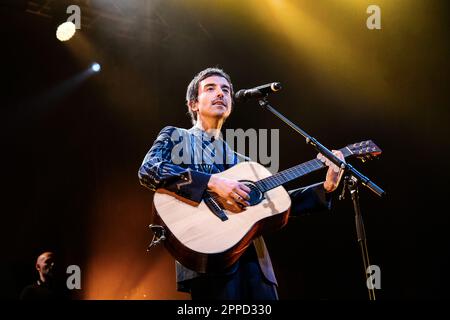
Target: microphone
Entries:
(257, 92)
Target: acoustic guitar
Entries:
(210, 236)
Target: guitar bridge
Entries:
(212, 204)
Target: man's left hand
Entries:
(334, 173)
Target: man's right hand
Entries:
(234, 192)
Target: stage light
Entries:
(65, 31)
(95, 67)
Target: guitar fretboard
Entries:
(290, 174)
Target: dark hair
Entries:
(192, 89)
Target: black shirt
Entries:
(42, 291)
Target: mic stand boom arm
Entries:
(352, 178)
(348, 169)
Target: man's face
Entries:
(214, 98)
(45, 264)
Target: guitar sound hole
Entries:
(256, 196)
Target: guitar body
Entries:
(201, 241)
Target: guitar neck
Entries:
(293, 173)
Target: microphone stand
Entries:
(353, 178)
(351, 184)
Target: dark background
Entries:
(72, 142)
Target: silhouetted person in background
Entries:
(47, 287)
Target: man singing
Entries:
(209, 98)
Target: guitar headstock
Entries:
(365, 150)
